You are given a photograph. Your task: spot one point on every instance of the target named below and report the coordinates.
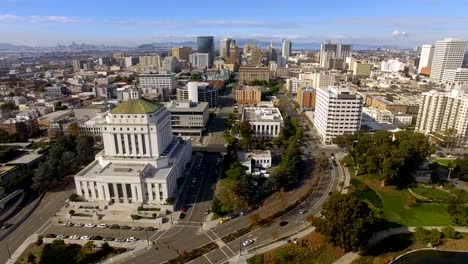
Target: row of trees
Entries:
(391, 156)
(460, 169)
(65, 155)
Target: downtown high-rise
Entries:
(205, 44)
(448, 55)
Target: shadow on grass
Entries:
(363, 192)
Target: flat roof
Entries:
(180, 106)
(27, 158)
(265, 114)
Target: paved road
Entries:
(36, 223)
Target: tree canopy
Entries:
(393, 157)
(461, 169)
(347, 222)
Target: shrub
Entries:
(74, 197)
(451, 233)
(136, 217)
(71, 212)
(428, 236)
(170, 200)
(39, 241)
(31, 258)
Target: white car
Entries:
(62, 236)
(131, 239)
(78, 225)
(89, 225)
(248, 242)
(84, 238)
(102, 226)
(74, 237)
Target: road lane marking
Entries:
(208, 259)
(37, 231)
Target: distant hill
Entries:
(11, 47)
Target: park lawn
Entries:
(432, 193)
(349, 163)
(397, 209)
(444, 162)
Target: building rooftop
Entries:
(185, 105)
(136, 106)
(265, 114)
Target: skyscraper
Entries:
(233, 52)
(329, 51)
(205, 44)
(427, 54)
(448, 55)
(224, 46)
(271, 52)
(286, 48)
(182, 53)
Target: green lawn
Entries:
(397, 209)
(432, 193)
(349, 163)
(443, 162)
(363, 192)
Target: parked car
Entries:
(248, 242)
(61, 236)
(74, 237)
(107, 239)
(96, 238)
(125, 227)
(84, 238)
(283, 223)
(5, 226)
(102, 226)
(50, 236)
(150, 228)
(245, 211)
(78, 225)
(89, 225)
(184, 209)
(114, 226)
(131, 239)
(119, 239)
(137, 228)
(68, 224)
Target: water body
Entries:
(434, 257)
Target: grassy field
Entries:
(432, 193)
(317, 251)
(444, 162)
(394, 246)
(398, 206)
(349, 163)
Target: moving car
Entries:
(5, 226)
(248, 242)
(224, 220)
(245, 211)
(283, 223)
(303, 211)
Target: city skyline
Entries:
(47, 23)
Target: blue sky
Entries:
(404, 23)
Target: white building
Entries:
(170, 64)
(337, 112)
(459, 75)
(161, 84)
(265, 122)
(330, 51)
(93, 127)
(427, 54)
(257, 159)
(286, 48)
(448, 55)
(199, 60)
(292, 84)
(321, 79)
(387, 117)
(141, 160)
(441, 111)
(392, 66)
(188, 118)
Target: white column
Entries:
(93, 189)
(134, 193)
(126, 145)
(119, 143)
(124, 190)
(134, 148)
(158, 197)
(78, 188)
(141, 195)
(116, 193)
(107, 192)
(85, 189)
(140, 145)
(147, 145)
(100, 191)
(149, 187)
(164, 191)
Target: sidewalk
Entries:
(345, 171)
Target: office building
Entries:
(77, 64)
(256, 57)
(441, 111)
(293, 84)
(233, 52)
(329, 51)
(224, 48)
(448, 55)
(337, 112)
(392, 66)
(427, 54)
(93, 126)
(153, 83)
(321, 79)
(182, 53)
(266, 122)
(362, 70)
(205, 44)
(465, 59)
(171, 64)
(141, 161)
(456, 76)
(248, 95)
(271, 53)
(130, 61)
(199, 92)
(306, 97)
(199, 60)
(286, 48)
(188, 118)
(150, 61)
(248, 73)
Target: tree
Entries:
(196, 76)
(71, 212)
(451, 233)
(432, 236)
(461, 169)
(73, 130)
(245, 130)
(31, 258)
(458, 212)
(39, 240)
(450, 138)
(74, 197)
(450, 167)
(85, 149)
(89, 246)
(346, 222)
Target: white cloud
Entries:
(40, 19)
(397, 34)
(5, 17)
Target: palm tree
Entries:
(450, 166)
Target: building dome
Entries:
(136, 106)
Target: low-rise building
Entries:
(250, 73)
(90, 111)
(266, 122)
(188, 118)
(248, 94)
(257, 159)
(293, 84)
(199, 92)
(160, 84)
(306, 98)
